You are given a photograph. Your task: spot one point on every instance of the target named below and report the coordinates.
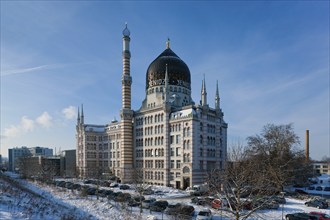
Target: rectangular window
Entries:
(201, 165)
(171, 176)
(178, 163)
(172, 139)
(178, 139)
(172, 164)
(172, 151)
(178, 151)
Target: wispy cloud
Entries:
(26, 125)
(69, 112)
(45, 120)
(24, 70)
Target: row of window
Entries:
(157, 142)
(149, 119)
(102, 138)
(157, 175)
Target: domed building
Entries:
(169, 141)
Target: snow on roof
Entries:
(183, 113)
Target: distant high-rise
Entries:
(170, 140)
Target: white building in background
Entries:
(170, 140)
(15, 153)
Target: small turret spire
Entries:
(78, 117)
(166, 85)
(82, 114)
(203, 93)
(217, 98)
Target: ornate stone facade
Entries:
(171, 140)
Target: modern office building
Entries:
(170, 140)
(18, 152)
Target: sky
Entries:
(271, 59)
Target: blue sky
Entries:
(271, 60)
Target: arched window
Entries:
(186, 170)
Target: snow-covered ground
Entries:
(50, 202)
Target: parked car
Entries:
(204, 214)
(158, 206)
(124, 187)
(311, 188)
(216, 204)
(133, 203)
(76, 186)
(300, 216)
(171, 209)
(278, 199)
(186, 210)
(198, 200)
(113, 185)
(146, 203)
(300, 191)
(60, 183)
(91, 191)
(320, 215)
(69, 185)
(317, 203)
(326, 189)
(318, 188)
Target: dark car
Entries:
(198, 200)
(133, 203)
(318, 188)
(146, 203)
(326, 189)
(113, 185)
(300, 216)
(124, 187)
(76, 186)
(158, 206)
(317, 203)
(60, 183)
(311, 188)
(91, 191)
(171, 209)
(69, 185)
(300, 191)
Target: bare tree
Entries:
(260, 170)
(283, 163)
(240, 184)
(139, 184)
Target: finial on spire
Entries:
(126, 32)
(168, 44)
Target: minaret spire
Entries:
(203, 93)
(217, 98)
(126, 113)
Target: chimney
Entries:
(307, 145)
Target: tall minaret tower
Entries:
(203, 93)
(126, 160)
